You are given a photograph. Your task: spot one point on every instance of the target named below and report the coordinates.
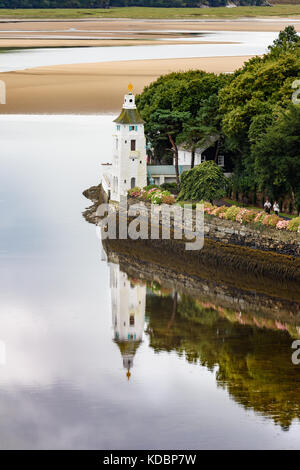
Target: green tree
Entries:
(254, 99)
(277, 157)
(166, 123)
(205, 181)
(287, 40)
(199, 130)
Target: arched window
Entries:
(132, 183)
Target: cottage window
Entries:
(221, 160)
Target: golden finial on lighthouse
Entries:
(128, 374)
(130, 87)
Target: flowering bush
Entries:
(155, 195)
(265, 220)
(270, 220)
(149, 194)
(134, 192)
(240, 216)
(219, 210)
(259, 217)
(243, 215)
(208, 207)
(273, 220)
(294, 224)
(282, 225)
(168, 199)
(249, 216)
(232, 212)
(156, 198)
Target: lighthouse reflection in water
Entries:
(128, 301)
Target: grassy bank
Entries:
(153, 13)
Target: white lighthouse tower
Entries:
(128, 301)
(129, 164)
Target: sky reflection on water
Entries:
(63, 384)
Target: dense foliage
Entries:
(252, 104)
(249, 113)
(120, 3)
(181, 107)
(205, 181)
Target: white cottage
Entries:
(129, 160)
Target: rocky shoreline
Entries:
(232, 253)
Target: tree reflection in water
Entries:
(253, 363)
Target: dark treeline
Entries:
(121, 3)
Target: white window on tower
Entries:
(117, 144)
(221, 160)
(131, 128)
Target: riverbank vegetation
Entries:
(156, 195)
(147, 13)
(251, 117)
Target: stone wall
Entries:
(251, 235)
(261, 238)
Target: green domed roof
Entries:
(128, 347)
(129, 116)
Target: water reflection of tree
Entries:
(253, 364)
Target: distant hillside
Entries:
(285, 2)
(12, 4)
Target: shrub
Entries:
(240, 215)
(168, 200)
(133, 191)
(218, 211)
(148, 194)
(231, 213)
(156, 198)
(273, 220)
(249, 216)
(282, 225)
(294, 224)
(259, 217)
(205, 181)
(172, 187)
(151, 186)
(265, 220)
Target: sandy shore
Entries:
(38, 42)
(132, 26)
(94, 88)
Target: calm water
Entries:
(244, 43)
(203, 376)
